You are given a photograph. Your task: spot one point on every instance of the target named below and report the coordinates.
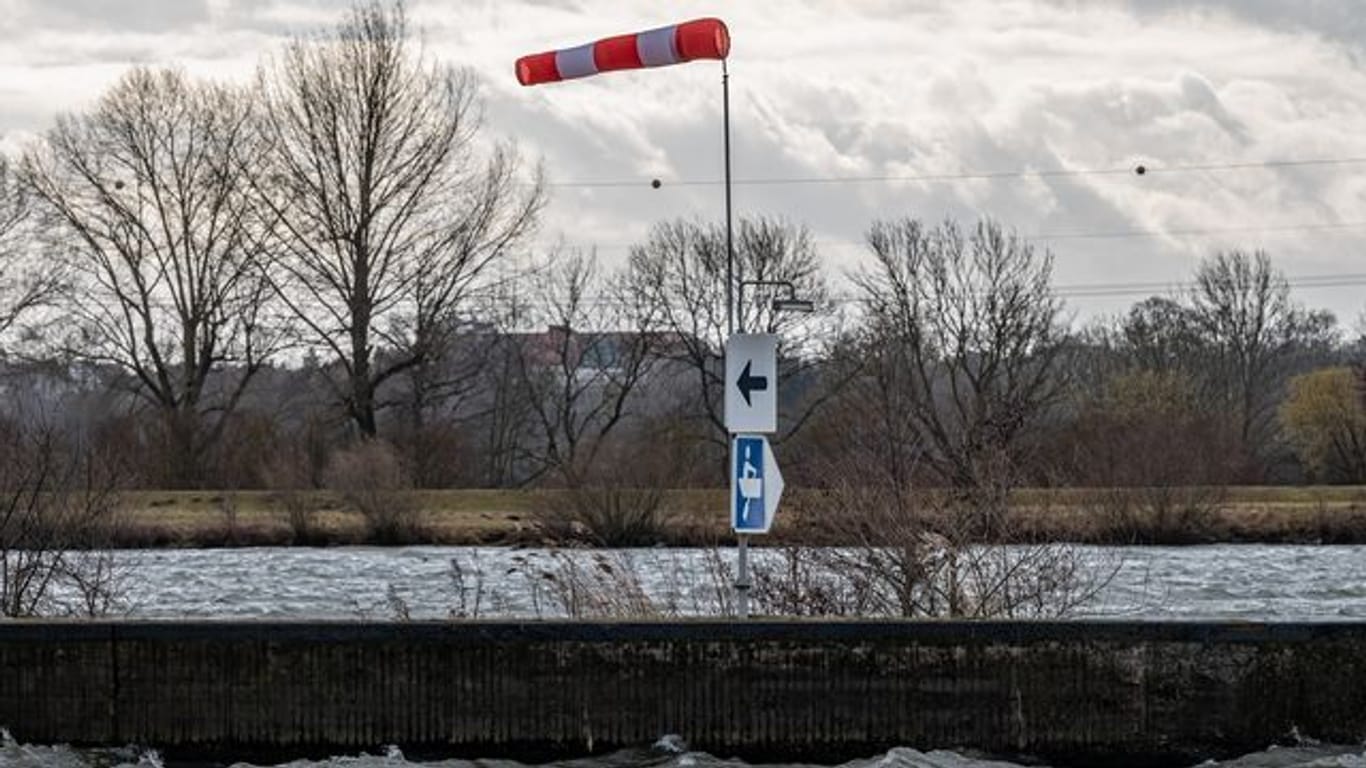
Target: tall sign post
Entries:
(751, 411)
(751, 360)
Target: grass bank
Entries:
(1334, 514)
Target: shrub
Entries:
(604, 507)
(596, 585)
(1158, 514)
(1325, 419)
(927, 553)
(288, 479)
(372, 480)
(604, 514)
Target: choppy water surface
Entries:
(668, 754)
(1253, 582)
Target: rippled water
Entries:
(1255, 582)
(668, 754)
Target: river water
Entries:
(1250, 582)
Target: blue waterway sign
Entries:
(756, 485)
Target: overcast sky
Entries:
(866, 88)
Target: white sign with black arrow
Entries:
(752, 383)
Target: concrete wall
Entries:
(813, 691)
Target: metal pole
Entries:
(730, 241)
(742, 578)
(734, 320)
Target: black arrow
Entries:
(748, 383)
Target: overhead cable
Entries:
(1137, 169)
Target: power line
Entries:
(1194, 231)
(1103, 290)
(1065, 291)
(1120, 289)
(1138, 169)
(1055, 236)
(1262, 164)
(807, 180)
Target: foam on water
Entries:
(16, 755)
(670, 752)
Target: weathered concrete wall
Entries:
(1073, 692)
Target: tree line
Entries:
(236, 287)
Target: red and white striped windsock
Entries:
(674, 44)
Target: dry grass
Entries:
(1260, 514)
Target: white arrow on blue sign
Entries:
(756, 485)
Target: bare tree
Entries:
(505, 420)
(389, 212)
(1257, 338)
(163, 247)
(868, 425)
(58, 507)
(970, 329)
(580, 376)
(1162, 334)
(464, 392)
(681, 270)
(27, 281)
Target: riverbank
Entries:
(1269, 515)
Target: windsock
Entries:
(674, 44)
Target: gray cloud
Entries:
(140, 16)
(1342, 21)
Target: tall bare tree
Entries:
(390, 212)
(1257, 337)
(27, 280)
(681, 270)
(163, 247)
(971, 329)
